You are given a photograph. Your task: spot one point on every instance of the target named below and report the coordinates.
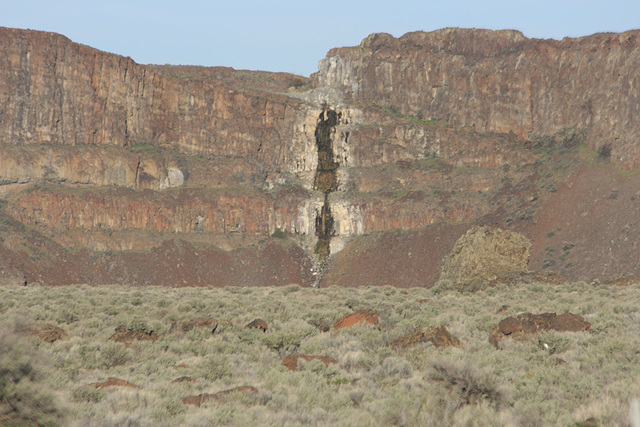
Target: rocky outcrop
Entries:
(361, 317)
(483, 253)
(45, 332)
(89, 165)
(439, 336)
(500, 81)
(527, 324)
(222, 212)
(55, 91)
(291, 361)
(257, 324)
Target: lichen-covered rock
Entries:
(484, 253)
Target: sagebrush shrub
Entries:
(113, 354)
(25, 398)
(467, 384)
(139, 324)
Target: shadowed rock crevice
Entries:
(325, 180)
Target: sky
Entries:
(292, 36)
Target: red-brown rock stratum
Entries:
(365, 173)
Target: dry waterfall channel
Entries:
(326, 181)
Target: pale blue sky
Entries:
(292, 36)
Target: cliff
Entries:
(501, 82)
(414, 139)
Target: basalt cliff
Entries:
(365, 173)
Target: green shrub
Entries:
(443, 286)
(281, 341)
(87, 355)
(139, 324)
(66, 316)
(214, 367)
(113, 354)
(567, 137)
(279, 234)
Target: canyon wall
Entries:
(58, 92)
(500, 81)
(429, 132)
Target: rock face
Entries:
(500, 81)
(59, 92)
(485, 252)
(105, 164)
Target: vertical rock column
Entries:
(325, 180)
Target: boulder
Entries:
(257, 324)
(438, 336)
(569, 322)
(361, 317)
(484, 253)
(291, 361)
(526, 324)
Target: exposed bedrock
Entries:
(500, 81)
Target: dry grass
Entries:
(372, 384)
